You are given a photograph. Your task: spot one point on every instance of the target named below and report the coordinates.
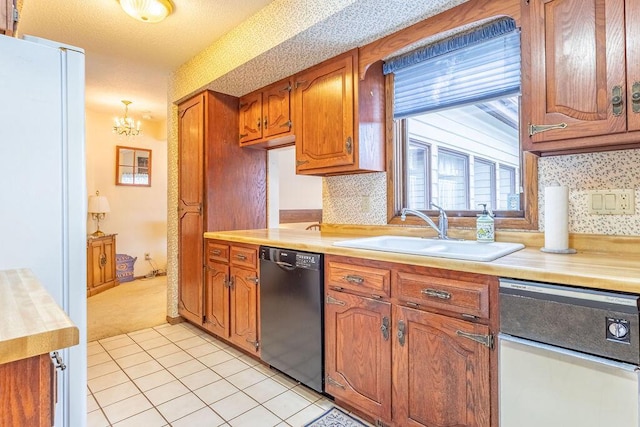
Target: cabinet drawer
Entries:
(459, 296)
(359, 278)
(245, 257)
(216, 252)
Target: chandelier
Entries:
(125, 125)
(147, 10)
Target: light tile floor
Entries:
(178, 375)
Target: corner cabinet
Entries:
(220, 187)
(101, 264)
(232, 294)
(339, 118)
(265, 115)
(584, 82)
(410, 346)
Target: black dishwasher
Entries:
(291, 314)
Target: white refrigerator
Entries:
(43, 211)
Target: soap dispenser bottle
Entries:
(485, 231)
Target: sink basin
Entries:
(457, 249)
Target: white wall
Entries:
(286, 190)
(138, 214)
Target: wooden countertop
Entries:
(612, 271)
(31, 322)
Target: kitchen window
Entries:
(461, 98)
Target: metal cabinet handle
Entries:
(103, 260)
(215, 252)
(301, 162)
(286, 89)
(253, 279)
(384, 328)
(617, 101)
(533, 129)
(229, 283)
(266, 121)
(352, 278)
(401, 333)
(259, 123)
(300, 83)
(287, 124)
(635, 97)
(241, 257)
(349, 145)
(58, 361)
(244, 135)
(435, 293)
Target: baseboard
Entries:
(174, 320)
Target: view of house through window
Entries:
(456, 109)
(461, 157)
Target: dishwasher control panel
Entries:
(290, 258)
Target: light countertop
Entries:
(612, 271)
(32, 322)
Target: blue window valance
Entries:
(476, 66)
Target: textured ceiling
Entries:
(128, 59)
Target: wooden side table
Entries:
(101, 264)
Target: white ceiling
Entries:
(128, 59)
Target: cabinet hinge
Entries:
(485, 340)
(331, 381)
(58, 361)
(332, 300)
(16, 15)
(256, 343)
(379, 423)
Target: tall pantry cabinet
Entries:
(221, 186)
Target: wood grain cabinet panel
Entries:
(28, 392)
(425, 365)
(585, 61)
(338, 118)
(265, 115)
(7, 23)
(358, 352)
(220, 187)
(232, 292)
(101, 264)
(440, 377)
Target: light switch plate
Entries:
(612, 202)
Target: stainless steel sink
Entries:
(457, 249)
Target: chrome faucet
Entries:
(443, 221)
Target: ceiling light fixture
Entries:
(147, 10)
(125, 125)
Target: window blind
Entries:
(474, 67)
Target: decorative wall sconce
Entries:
(98, 207)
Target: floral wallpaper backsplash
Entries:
(361, 199)
(593, 171)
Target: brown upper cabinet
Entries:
(265, 116)
(339, 118)
(584, 85)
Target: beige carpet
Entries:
(128, 307)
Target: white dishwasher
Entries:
(567, 356)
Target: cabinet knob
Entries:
(635, 97)
(266, 122)
(349, 145)
(617, 102)
(103, 260)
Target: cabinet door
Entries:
(216, 294)
(323, 115)
(190, 188)
(244, 308)
(577, 67)
(95, 263)
(358, 352)
(250, 117)
(441, 378)
(632, 18)
(276, 109)
(109, 264)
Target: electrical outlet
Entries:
(612, 202)
(147, 257)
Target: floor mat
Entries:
(334, 417)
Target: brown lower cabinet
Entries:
(420, 356)
(28, 392)
(101, 264)
(232, 293)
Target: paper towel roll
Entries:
(556, 218)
